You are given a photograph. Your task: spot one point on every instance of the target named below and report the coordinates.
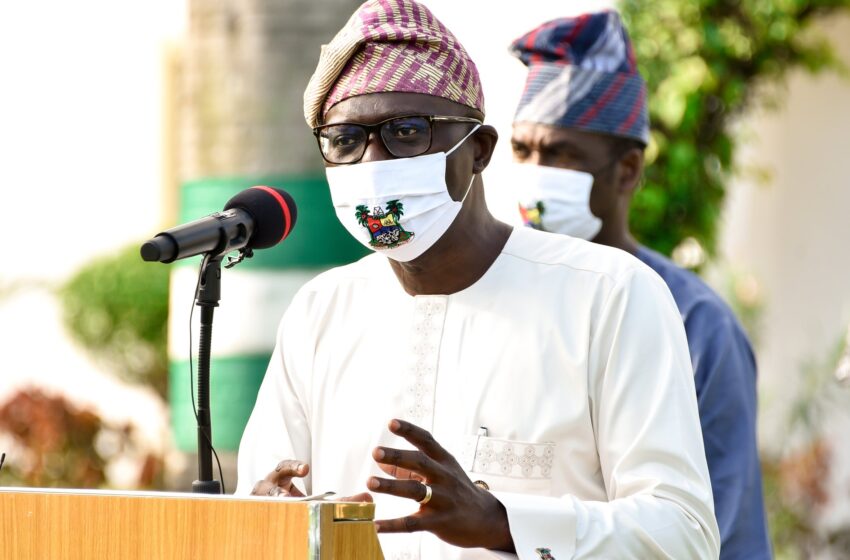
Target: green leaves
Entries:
(702, 61)
(361, 213)
(396, 209)
(117, 309)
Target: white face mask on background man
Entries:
(399, 207)
(555, 200)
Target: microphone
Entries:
(256, 218)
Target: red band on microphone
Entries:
(283, 206)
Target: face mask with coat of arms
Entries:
(399, 207)
(555, 200)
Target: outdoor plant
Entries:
(51, 442)
(706, 62)
(116, 307)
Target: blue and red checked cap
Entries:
(582, 74)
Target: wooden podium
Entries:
(48, 524)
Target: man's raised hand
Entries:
(451, 505)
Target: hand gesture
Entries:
(279, 483)
(451, 506)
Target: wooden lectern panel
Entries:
(80, 525)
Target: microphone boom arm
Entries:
(209, 294)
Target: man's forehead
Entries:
(375, 107)
(537, 133)
(546, 135)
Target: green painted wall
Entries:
(234, 382)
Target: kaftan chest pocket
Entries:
(510, 466)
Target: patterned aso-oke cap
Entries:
(582, 74)
(392, 45)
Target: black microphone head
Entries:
(274, 214)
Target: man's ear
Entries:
(631, 170)
(485, 142)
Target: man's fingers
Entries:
(421, 439)
(262, 487)
(410, 489)
(409, 524)
(285, 471)
(361, 497)
(400, 473)
(288, 468)
(410, 461)
(266, 488)
(294, 491)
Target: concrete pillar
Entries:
(240, 123)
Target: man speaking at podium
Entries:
(498, 391)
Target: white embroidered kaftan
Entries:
(571, 355)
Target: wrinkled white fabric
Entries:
(571, 355)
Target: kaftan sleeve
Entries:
(644, 415)
(279, 425)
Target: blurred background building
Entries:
(118, 120)
(237, 84)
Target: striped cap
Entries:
(392, 45)
(582, 74)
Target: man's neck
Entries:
(619, 237)
(458, 259)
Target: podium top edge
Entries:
(317, 499)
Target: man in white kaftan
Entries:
(544, 384)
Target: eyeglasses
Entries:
(410, 136)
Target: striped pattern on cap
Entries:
(582, 74)
(392, 46)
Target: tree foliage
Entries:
(704, 62)
(117, 308)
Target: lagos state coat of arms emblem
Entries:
(384, 225)
(544, 553)
(532, 216)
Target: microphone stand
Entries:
(209, 294)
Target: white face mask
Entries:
(400, 207)
(556, 200)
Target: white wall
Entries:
(793, 233)
(80, 138)
(80, 176)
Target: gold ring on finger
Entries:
(428, 494)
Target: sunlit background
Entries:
(119, 119)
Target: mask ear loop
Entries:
(469, 188)
(456, 146)
(462, 140)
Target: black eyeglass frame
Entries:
(376, 127)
